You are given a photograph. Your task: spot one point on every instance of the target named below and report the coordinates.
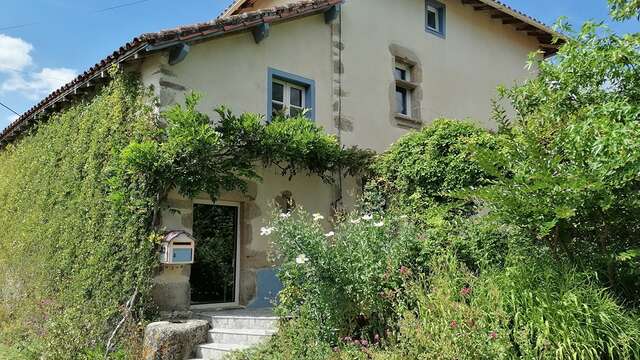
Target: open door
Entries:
(214, 274)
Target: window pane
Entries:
(278, 92)
(401, 101)
(401, 74)
(277, 109)
(296, 97)
(295, 111)
(432, 19)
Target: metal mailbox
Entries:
(178, 248)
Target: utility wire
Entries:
(99, 11)
(8, 108)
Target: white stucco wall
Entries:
(460, 72)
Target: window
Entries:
(290, 95)
(435, 17)
(287, 99)
(404, 89)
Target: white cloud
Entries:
(38, 84)
(15, 54)
(17, 74)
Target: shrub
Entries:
(567, 172)
(425, 168)
(348, 280)
(534, 308)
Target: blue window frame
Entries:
(435, 18)
(290, 93)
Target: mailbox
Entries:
(177, 248)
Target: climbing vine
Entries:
(71, 256)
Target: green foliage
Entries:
(424, 168)
(193, 155)
(531, 309)
(625, 9)
(568, 172)
(348, 280)
(74, 226)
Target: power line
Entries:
(103, 10)
(8, 108)
(121, 6)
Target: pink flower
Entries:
(453, 324)
(405, 271)
(376, 338)
(465, 291)
(364, 343)
(493, 335)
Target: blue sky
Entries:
(65, 37)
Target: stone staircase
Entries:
(236, 329)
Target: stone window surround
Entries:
(406, 57)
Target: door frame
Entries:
(236, 289)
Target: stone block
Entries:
(166, 340)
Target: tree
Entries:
(625, 9)
(568, 170)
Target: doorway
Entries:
(215, 272)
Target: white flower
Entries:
(379, 224)
(329, 234)
(285, 215)
(367, 217)
(355, 221)
(317, 217)
(403, 216)
(301, 259)
(266, 231)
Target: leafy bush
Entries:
(531, 309)
(567, 173)
(424, 168)
(70, 255)
(348, 280)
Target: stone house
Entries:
(368, 71)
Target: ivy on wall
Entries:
(71, 252)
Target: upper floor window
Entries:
(435, 17)
(290, 95)
(405, 87)
(403, 92)
(287, 99)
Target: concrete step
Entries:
(240, 336)
(259, 319)
(216, 351)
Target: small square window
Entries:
(401, 74)
(287, 99)
(435, 17)
(290, 95)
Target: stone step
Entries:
(240, 336)
(260, 319)
(244, 322)
(216, 351)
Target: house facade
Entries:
(368, 71)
